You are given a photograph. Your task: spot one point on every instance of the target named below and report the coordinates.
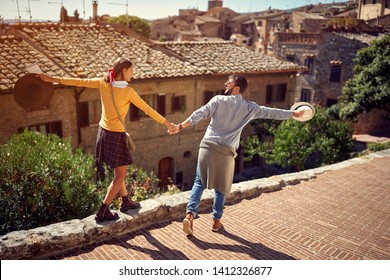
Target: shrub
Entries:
(375, 147)
(43, 182)
(301, 145)
(140, 184)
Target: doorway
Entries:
(165, 172)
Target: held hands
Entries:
(173, 128)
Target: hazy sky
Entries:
(147, 9)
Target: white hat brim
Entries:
(308, 115)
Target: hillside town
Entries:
(303, 54)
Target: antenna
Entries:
(29, 8)
(127, 26)
(17, 5)
(127, 6)
(62, 10)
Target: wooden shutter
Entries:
(161, 104)
(84, 114)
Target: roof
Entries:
(87, 51)
(83, 51)
(208, 19)
(227, 57)
(361, 37)
(218, 10)
(16, 55)
(308, 15)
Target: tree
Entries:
(370, 86)
(297, 145)
(137, 24)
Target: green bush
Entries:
(43, 182)
(140, 184)
(375, 147)
(301, 145)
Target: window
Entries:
(290, 57)
(309, 63)
(179, 178)
(387, 4)
(276, 93)
(45, 128)
(155, 101)
(90, 112)
(305, 95)
(178, 103)
(210, 94)
(335, 73)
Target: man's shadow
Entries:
(161, 252)
(255, 250)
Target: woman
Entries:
(111, 147)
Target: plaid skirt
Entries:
(111, 148)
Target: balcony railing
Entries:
(298, 38)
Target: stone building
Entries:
(174, 78)
(328, 57)
(375, 13)
(372, 9)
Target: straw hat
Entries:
(309, 111)
(31, 93)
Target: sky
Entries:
(146, 9)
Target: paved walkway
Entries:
(342, 214)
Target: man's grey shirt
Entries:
(229, 115)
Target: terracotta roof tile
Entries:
(16, 55)
(227, 57)
(88, 51)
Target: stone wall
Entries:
(40, 243)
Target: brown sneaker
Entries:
(217, 225)
(188, 224)
(128, 204)
(104, 214)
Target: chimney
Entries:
(215, 3)
(94, 8)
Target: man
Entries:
(215, 169)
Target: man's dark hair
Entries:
(240, 81)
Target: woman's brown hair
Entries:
(118, 66)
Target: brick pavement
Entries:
(341, 214)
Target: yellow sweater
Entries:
(123, 97)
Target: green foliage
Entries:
(322, 140)
(370, 86)
(140, 184)
(43, 182)
(163, 39)
(375, 147)
(137, 24)
(341, 23)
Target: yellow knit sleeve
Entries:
(142, 105)
(88, 83)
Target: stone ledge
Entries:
(40, 243)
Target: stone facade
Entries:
(321, 52)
